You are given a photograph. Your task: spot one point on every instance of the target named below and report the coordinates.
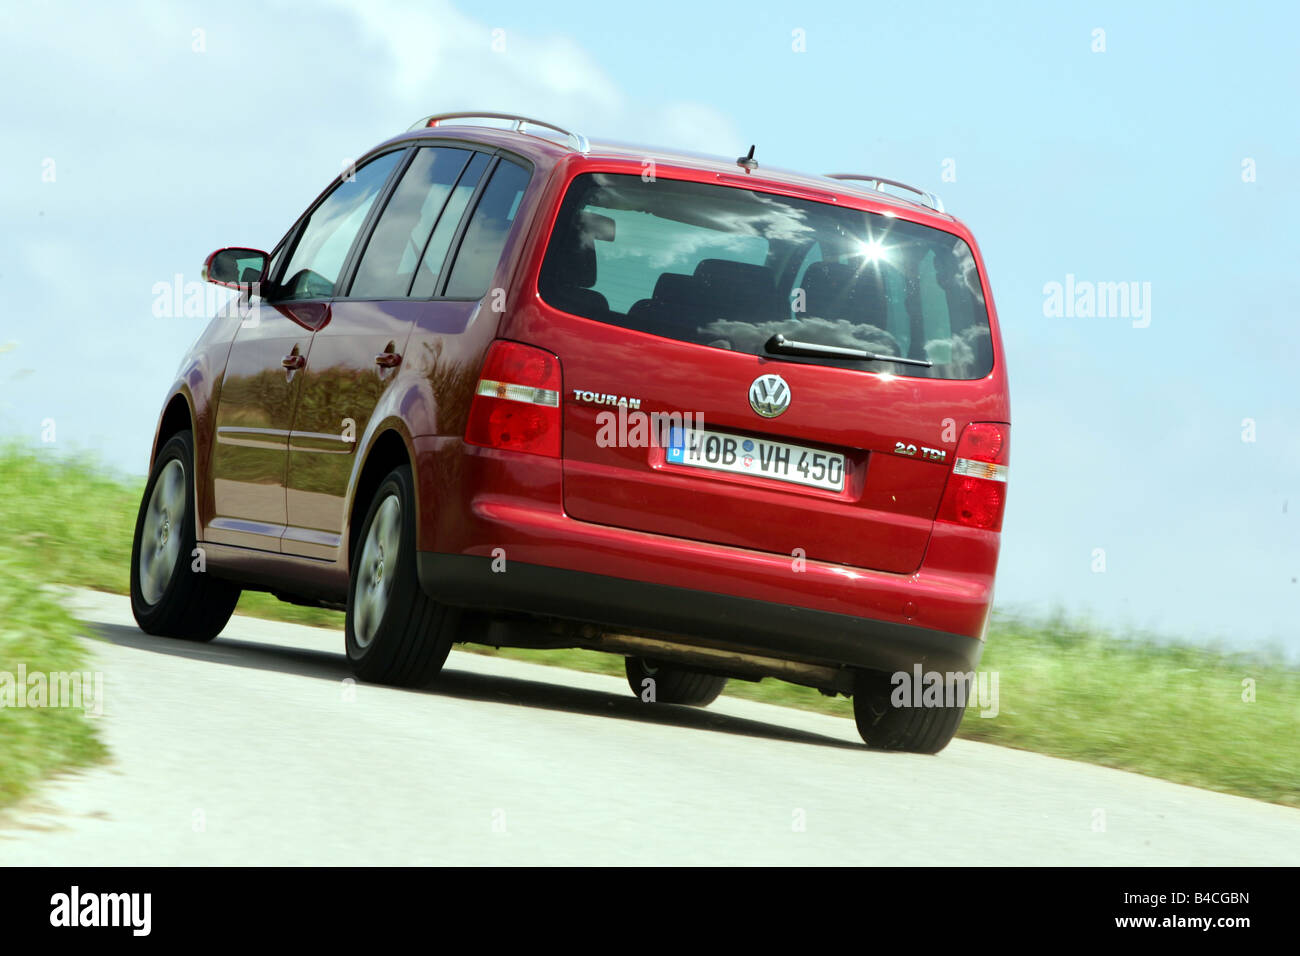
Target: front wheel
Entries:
(171, 592)
(672, 684)
(395, 633)
(894, 721)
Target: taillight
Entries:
(976, 494)
(517, 401)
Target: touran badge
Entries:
(769, 395)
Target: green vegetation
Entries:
(1194, 715)
(41, 636)
(73, 521)
(1170, 711)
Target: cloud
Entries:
(435, 58)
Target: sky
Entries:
(1155, 453)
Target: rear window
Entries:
(730, 267)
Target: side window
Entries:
(814, 254)
(272, 264)
(646, 246)
(480, 250)
(324, 240)
(897, 321)
(917, 310)
(397, 243)
(435, 253)
(937, 323)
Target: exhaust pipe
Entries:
(734, 663)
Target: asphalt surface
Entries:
(255, 750)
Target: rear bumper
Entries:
(723, 621)
(478, 505)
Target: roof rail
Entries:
(929, 199)
(519, 123)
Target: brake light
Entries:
(976, 494)
(517, 402)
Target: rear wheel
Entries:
(885, 725)
(672, 684)
(171, 593)
(395, 633)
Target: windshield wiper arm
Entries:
(780, 345)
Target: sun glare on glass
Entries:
(872, 250)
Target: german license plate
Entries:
(739, 455)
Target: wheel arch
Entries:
(389, 448)
(177, 416)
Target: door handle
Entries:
(293, 361)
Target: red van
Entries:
(507, 385)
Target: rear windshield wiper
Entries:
(780, 345)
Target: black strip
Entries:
(1083, 903)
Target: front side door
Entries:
(356, 354)
(262, 382)
(254, 413)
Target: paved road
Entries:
(252, 749)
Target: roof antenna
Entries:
(748, 163)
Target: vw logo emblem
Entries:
(769, 395)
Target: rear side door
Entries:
(262, 382)
(357, 352)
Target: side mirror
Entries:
(235, 267)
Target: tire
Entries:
(884, 726)
(395, 633)
(673, 684)
(168, 596)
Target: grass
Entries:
(39, 634)
(74, 521)
(1166, 710)
(1194, 715)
